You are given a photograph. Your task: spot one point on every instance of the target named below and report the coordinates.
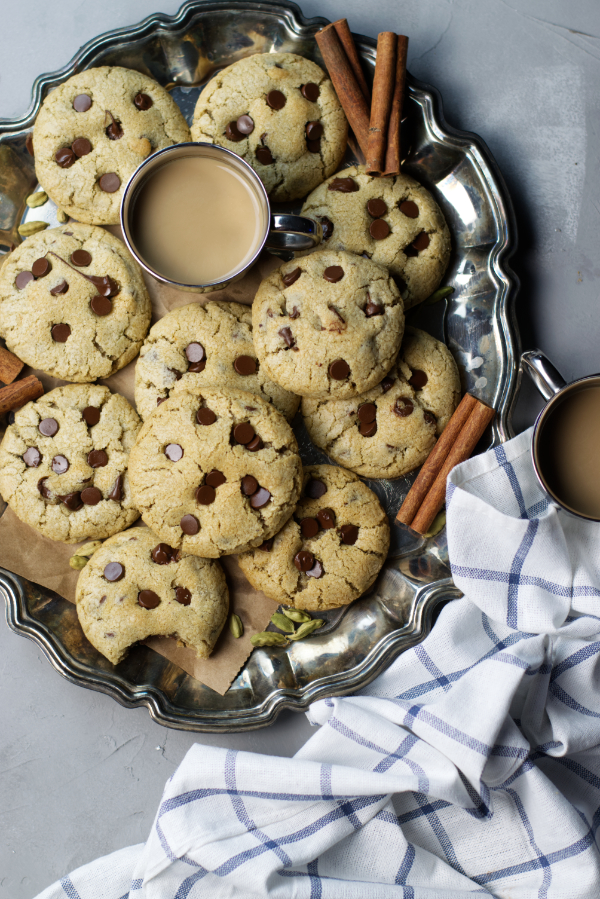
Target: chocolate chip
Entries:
(114, 130)
(114, 571)
(60, 333)
(97, 459)
(245, 365)
(65, 157)
(333, 273)
(295, 313)
(291, 277)
(109, 182)
(205, 495)
(233, 133)
(29, 143)
(249, 485)
(91, 415)
(379, 229)
(161, 399)
(410, 209)
(255, 444)
(194, 352)
(267, 546)
(82, 103)
(367, 429)
(309, 527)
(314, 130)
(315, 489)
(60, 288)
(276, 100)
(367, 412)
(287, 335)
(245, 124)
(91, 496)
(22, 280)
(418, 379)
(196, 367)
(264, 155)
(310, 91)
(304, 560)
(410, 251)
(81, 146)
(326, 518)
(339, 370)
(73, 501)
(40, 268)
(243, 433)
(313, 146)
(316, 570)
(143, 101)
(205, 416)
(44, 491)
(148, 599)
(327, 226)
(260, 499)
(215, 478)
(421, 241)
(174, 452)
(101, 306)
(376, 208)
(162, 554)
(189, 525)
(105, 285)
(372, 309)
(343, 185)
(60, 464)
(48, 427)
(81, 258)
(430, 418)
(403, 406)
(183, 596)
(116, 492)
(349, 534)
(32, 457)
(387, 384)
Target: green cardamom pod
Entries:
(297, 615)
(283, 623)
(440, 294)
(437, 524)
(268, 638)
(29, 228)
(37, 199)
(235, 626)
(88, 549)
(61, 217)
(78, 562)
(306, 629)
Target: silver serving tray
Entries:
(478, 324)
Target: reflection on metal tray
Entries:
(477, 322)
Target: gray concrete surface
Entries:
(79, 775)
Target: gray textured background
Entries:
(79, 775)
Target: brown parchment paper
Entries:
(46, 562)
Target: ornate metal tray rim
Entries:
(427, 597)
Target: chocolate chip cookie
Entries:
(280, 113)
(332, 549)
(73, 303)
(136, 587)
(93, 132)
(394, 221)
(215, 471)
(328, 325)
(391, 429)
(63, 463)
(204, 346)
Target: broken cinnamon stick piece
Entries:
(381, 105)
(347, 41)
(16, 395)
(345, 84)
(10, 366)
(464, 445)
(393, 151)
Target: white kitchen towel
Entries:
(470, 766)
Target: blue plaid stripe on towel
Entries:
(470, 767)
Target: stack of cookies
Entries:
(210, 460)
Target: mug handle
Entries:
(544, 375)
(293, 232)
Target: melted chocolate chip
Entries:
(116, 492)
(403, 406)
(48, 427)
(304, 560)
(40, 268)
(109, 182)
(245, 365)
(310, 91)
(349, 534)
(189, 525)
(315, 489)
(59, 289)
(205, 416)
(291, 277)
(372, 309)
(379, 229)
(82, 103)
(313, 146)
(314, 130)
(215, 478)
(276, 100)
(267, 546)
(29, 143)
(81, 258)
(232, 132)
(91, 415)
(410, 251)
(60, 464)
(23, 279)
(245, 124)
(316, 570)
(32, 457)
(309, 527)
(161, 399)
(418, 379)
(339, 370)
(387, 384)
(174, 452)
(162, 554)
(367, 412)
(243, 433)
(65, 157)
(183, 596)
(91, 496)
(114, 571)
(196, 367)
(376, 208)
(44, 491)
(264, 155)
(287, 335)
(327, 226)
(205, 495)
(97, 459)
(326, 518)
(114, 130)
(343, 185)
(148, 599)
(73, 501)
(260, 499)
(410, 209)
(367, 429)
(249, 485)
(255, 444)
(430, 418)
(333, 273)
(104, 284)
(81, 146)
(295, 313)
(421, 241)
(101, 306)
(143, 101)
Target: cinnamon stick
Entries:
(383, 91)
(344, 81)
(464, 445)
(10, 366)
(392, 156)
(347, 42)
(16, 395)
(435, 460)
